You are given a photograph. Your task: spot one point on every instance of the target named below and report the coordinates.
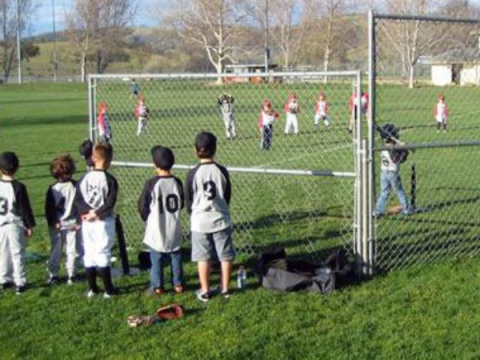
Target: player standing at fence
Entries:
(321, 110)
(441, 113)
(103, 123)
(358, 103)
(391, 160)
(225, 102)
(142, 112)
(159, 205)
(16, 224)
(61, 219)
(265, 123)
(207, 194)
(134, 89)
(95, 199)
(292, 108)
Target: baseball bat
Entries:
(413, 188)
(122, 246)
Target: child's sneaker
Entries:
(6, 285)
(71, 280)
(21, 289)
(204, 297)
(159, 291)
(91, 294)
(108, 294)
(226, 294)
(53, 280)
(179, 289)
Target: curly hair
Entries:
(62, 167)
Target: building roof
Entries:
(457, 56)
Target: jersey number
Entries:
(210, 189)
(172, 203)
(3, 206)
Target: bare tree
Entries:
(97, 28)
(9, 28)
(289, 21)
(212, 25)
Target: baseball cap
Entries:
(206, 144)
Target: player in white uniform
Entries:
(207, 197)
(103, 123)
(292, 109)
(322, 110)
(159, 206)
(441, 113)
(142, 112)
(61, 219)
(390, 172)
(225, 102)
(265, 123)
(95, 199)
(16, 224)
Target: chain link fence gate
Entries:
(300, 194)
(413, 62)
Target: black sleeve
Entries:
(81, 207)
(145, 200)
(232, 99)
(107, 208)
(189, 189)
(180, 189)
(228, 188)
(23, 203)
(50, 212)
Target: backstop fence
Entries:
(300, 191)
(424, 77)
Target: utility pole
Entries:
(19, 45)
(55, 58)
(267, 50)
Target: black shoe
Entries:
(21, 289)
(204, 297)
(7, 285)
(226, 294)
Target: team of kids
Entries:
(80, 216)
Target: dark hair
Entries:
(103, 151)
(9, 163)
(206, 145)
(163, 157)
(85, 149)
(62, 166)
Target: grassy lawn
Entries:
(425, 313)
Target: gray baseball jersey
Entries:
(59, 204)
(15, 205)
(207, 194)
(159, 205)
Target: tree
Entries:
(9, 28)
(212, 25)
(97, 29)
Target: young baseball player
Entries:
(142, 113)
(291, 109)
(159, 206)
(265, 123)
(16, 224)
(357, 103)
(61, 219)
(441, 113)
(322, 110)
(207, 197)
(390, 171)
(103, 123)
(135, 89)
(95, 199)
(225, 102)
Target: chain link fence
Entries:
(300, 194)
(415, 63)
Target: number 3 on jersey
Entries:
(3, 206)
(210, 190)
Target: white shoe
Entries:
(106, 296)
(91, 294)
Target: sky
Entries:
(42, 20)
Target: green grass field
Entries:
(425, 312)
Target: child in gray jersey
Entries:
(61, 219)
(159, 206)
(207, 194)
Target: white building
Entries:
(461, 67)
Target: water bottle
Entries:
(241, 278)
